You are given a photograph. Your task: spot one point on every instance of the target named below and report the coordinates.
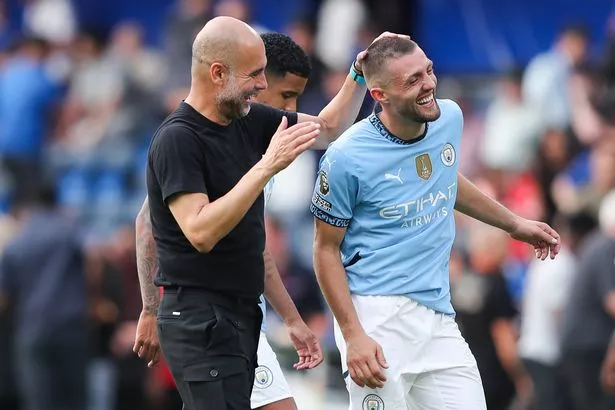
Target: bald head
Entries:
(379, 52)
(221, 39)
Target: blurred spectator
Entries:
(27, 94)
(340, 20)
(485, 313)
(42, 276)
(510, 139)
(589, 318)
(239, 9)
(52, 20)
(96, 91)
(546, 84)
(581, 187)
(546, 295)
(303, 32)
(185, 20)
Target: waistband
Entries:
(231, 302)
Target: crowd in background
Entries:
(77, 109)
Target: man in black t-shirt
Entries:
(207, 166)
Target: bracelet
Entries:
(356, 76)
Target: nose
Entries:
(430, 83)
(291, 106)
(261, 82)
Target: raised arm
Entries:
(205, 223)
(343, 109)
(474, 203)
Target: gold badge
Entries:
(324, 183)
(423, 166)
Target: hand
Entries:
(607, 373)
(359, 60)
(287, 143)
(541, 236)
(365, 361)
(307, 346)
(146, 341)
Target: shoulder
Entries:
(173, 133)
(450, 109)
(354, 137)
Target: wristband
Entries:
(355, 75)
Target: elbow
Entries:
(202, 243)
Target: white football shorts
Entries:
(430, 364)
(269, 382)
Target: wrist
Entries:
(149, 310)
(265, 169)
(292, 320)
(351, 331)
(356, 73)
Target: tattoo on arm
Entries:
(147, 259)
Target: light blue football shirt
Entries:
(396, 199)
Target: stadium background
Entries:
(116, 67)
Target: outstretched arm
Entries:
(146, 340)
(303, 339)
(474, 203)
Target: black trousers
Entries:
(550, 388)
(582, 372)
(210, 343)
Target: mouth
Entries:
(427, 101)
(250, 98)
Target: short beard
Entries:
(229, 100)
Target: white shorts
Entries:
(269, 382)
(430, 364)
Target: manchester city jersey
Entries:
(396, 199)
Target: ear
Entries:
(217, 72)
(378, 95)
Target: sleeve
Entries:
(335, 191)
(269, 119)
(500, 304)
(177, 162)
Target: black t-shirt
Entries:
(479, 301)
(189, 154)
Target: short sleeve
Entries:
(336, 190)
(177, 162)
(500, 304)
(269, 119)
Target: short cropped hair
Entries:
(285, 56)
(382, 50)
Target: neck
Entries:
(204, 103)
(402, 128)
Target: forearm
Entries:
(334, 285)
(147, 263)
(343, 109)
(216, 219)
(472, 202)
(276, 292)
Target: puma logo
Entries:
(396, 177)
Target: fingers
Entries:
(380, 357)
(155, 359)
(548, 234)
(356, 374)
(283, 124)
(316, 353)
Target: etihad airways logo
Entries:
(423, 210)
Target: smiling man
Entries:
(384, 207)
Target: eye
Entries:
(430, 70)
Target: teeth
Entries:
(426, 100)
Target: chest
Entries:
(227, 158)
(412, 181)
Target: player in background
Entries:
(383, 204)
